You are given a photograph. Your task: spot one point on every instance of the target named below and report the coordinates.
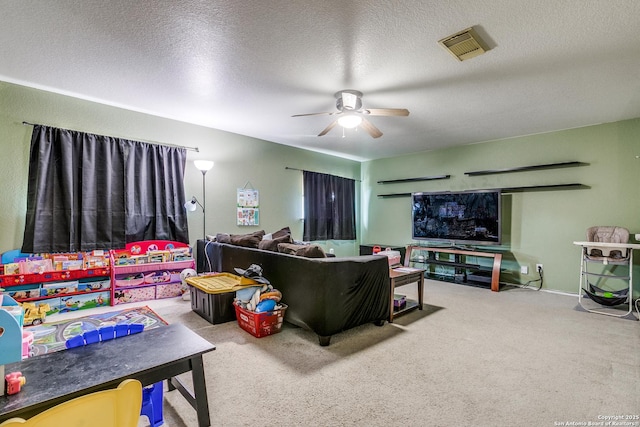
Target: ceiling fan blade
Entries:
(387, 111)
(371, 129)
(328, 128)
(312, 114)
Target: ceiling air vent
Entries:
(465, 44)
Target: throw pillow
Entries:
(250, 240)
(286, 231)
(308, 251)
(272, 245)
(223, 238)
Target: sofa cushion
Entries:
(223, 238)
(249, 240)
(286, 231)
(308, 251)
(272, 245)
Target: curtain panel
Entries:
(329, 207)
(89, 192)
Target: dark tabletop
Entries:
(65, 374)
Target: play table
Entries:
(152, 356)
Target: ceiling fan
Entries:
(349, 105)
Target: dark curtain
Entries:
(154, 196)
(90, 192)
(329, 207)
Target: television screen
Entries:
(469, 217)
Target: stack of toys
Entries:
(259, 310)
(259, 298)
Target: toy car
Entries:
(34, 315)
(13, 382)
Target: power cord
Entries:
(540, 279)
(206, 254)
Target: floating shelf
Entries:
(388, 196)
(551, 187)
(422, 178)
(528, 168)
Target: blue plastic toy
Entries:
(265, 305)
(105, 333)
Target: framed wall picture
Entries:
(248, 206)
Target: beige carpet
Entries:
(470, 358)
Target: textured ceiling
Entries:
(248, 66)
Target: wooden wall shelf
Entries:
(422, 178)
(550, 187)
(388, 196)
(527, 168)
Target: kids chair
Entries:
(606, 246)
(152, 404)
(119, 407)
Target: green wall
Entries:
(539, 226)
(238, 160)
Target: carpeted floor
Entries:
(470, 358)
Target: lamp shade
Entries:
(191, 205)
(349, 121)
(203, 165)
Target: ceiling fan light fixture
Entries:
(349, 121)
(348, 100)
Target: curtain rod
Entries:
(303, 170)
(196, 149)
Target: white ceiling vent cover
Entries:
(465, 44)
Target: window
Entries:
(329, 207)
(90, 192)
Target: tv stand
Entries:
(459, 247)
(426, 255)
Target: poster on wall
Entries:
(248, 203)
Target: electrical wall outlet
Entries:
(524, 269)
(539, 267)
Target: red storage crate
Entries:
(260, 324)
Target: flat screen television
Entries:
(467, 217)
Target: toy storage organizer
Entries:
(69, 282)
(80, 281)
(148, 270)
(11, 316)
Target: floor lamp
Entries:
(203, 166)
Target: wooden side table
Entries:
(403, 276)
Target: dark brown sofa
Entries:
(324, 295)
